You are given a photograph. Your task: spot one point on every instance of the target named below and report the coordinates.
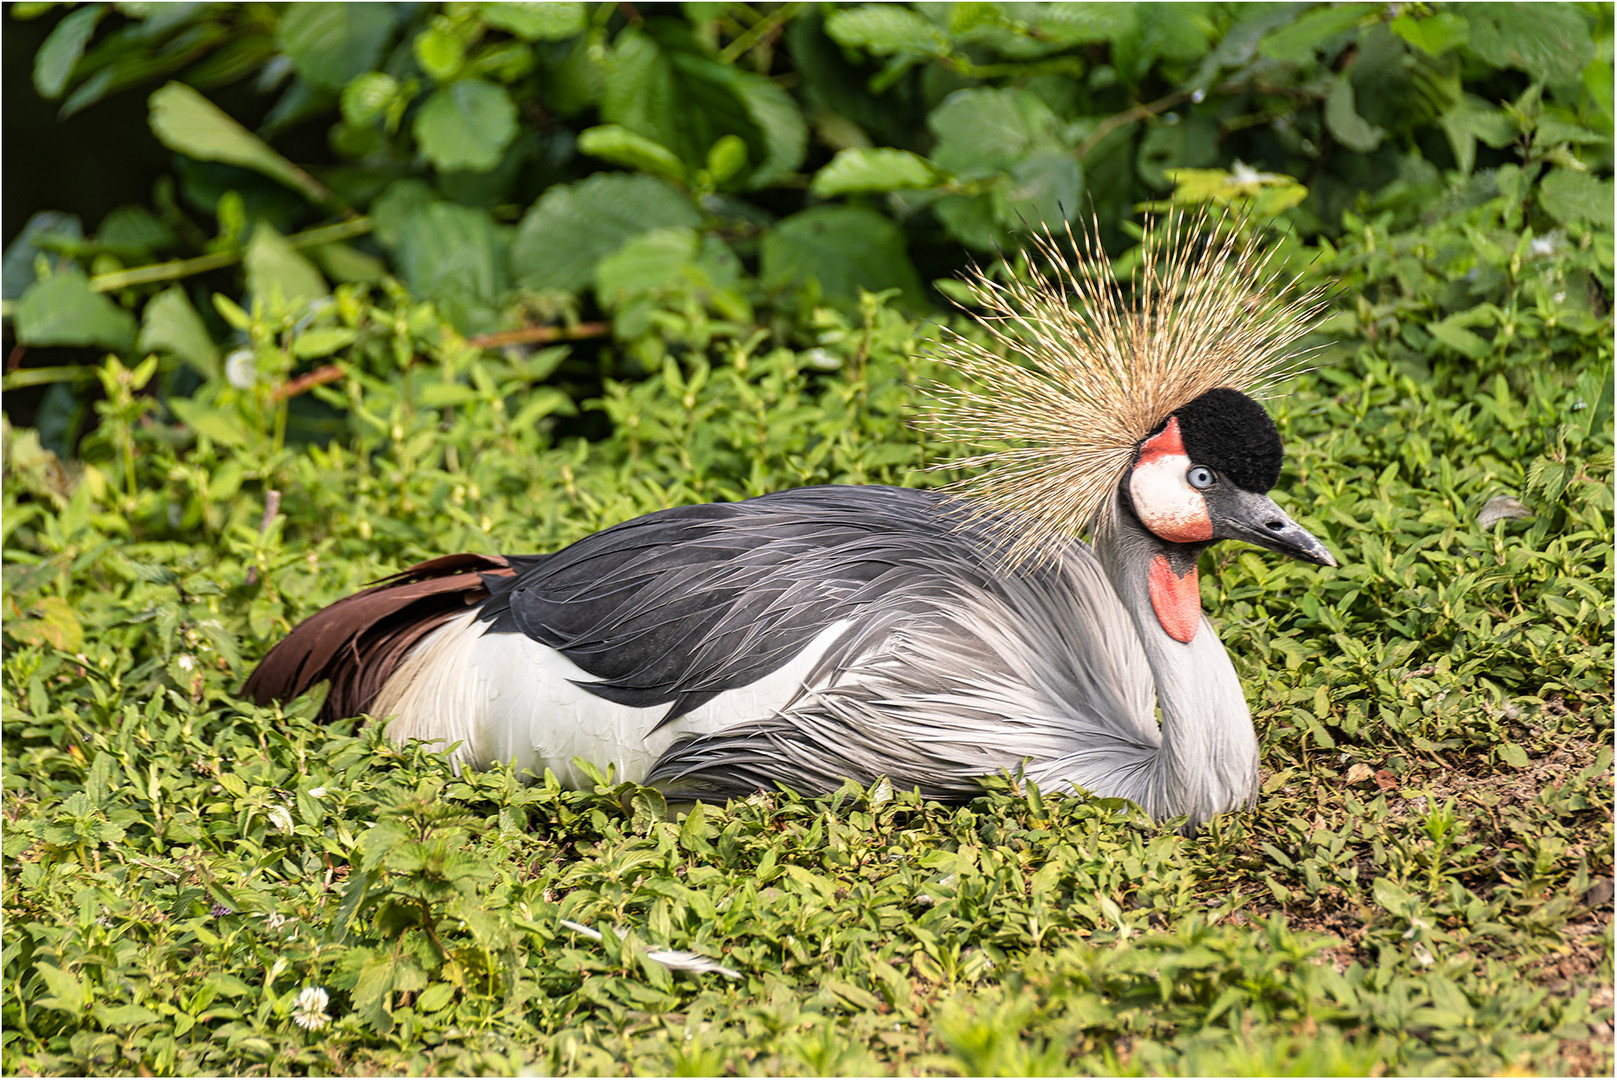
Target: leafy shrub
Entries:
(759, 161)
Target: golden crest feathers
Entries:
(1081, 367)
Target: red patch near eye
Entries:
(1163, 443)
(1176, 600)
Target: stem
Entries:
(14, 380)
(1128, 116)
(317, 377)
(538, 335)
(175, 269)
(773, 21)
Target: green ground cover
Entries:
(1419, 889)
(193, 884)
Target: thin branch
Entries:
(756, 33)
(175, 269)
(304, 383)
(539, 335)
(1128, 116)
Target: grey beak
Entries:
(1246, 515)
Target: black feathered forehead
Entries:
(1229, 432)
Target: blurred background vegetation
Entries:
(646, 179)
(297, 294)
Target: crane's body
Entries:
(830, 633)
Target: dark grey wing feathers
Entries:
(681, 605)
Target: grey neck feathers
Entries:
(1208, 762)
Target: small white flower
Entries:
(309, 1008)
(1548, 244)
(274, 921)
(186, 661)
(1244, 175)
(241, 369)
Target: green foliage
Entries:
(1413, 892)
(457, 334)
(958, 124)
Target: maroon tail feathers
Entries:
(359, 641)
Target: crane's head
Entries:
(1084, 386)
(1202, 476)
(1204, 473)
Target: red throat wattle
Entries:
(1176, 600)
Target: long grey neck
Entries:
(1208, 762)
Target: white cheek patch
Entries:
(1165, 502)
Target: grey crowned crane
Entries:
(810, 636)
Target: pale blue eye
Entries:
(1200, 477)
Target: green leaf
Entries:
(777, 118)
(1548, 41)
(47, 621)
(189, 123)
(329, 44)
(466, 125)
(1296, 43)
(725, 158)
(374, 990)
(1349, 128)
(66, 992)
(1190, 143)
(171, 324)
(278, 275)
(133, 231)
(344, 262)
(24, 250)
(1568, 196)
(1045, 187)
(619, 145)
(644, 263)
(60, 52)
(63, 310)
(367, 97)
(887, 30)
(686, 103)
(440, 51)
(321, 341)
(536, 22)
(1390, 896)
(982, 131)
(1513, 755)
(220, 425)
(394, 208)
(1470, 120)
(844, 248)
(1453, 333)
(1434, 34)
(859, 169)
(573, 226)
(677, 258)
(435, 997)
(124, 1015)
(455, 255)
